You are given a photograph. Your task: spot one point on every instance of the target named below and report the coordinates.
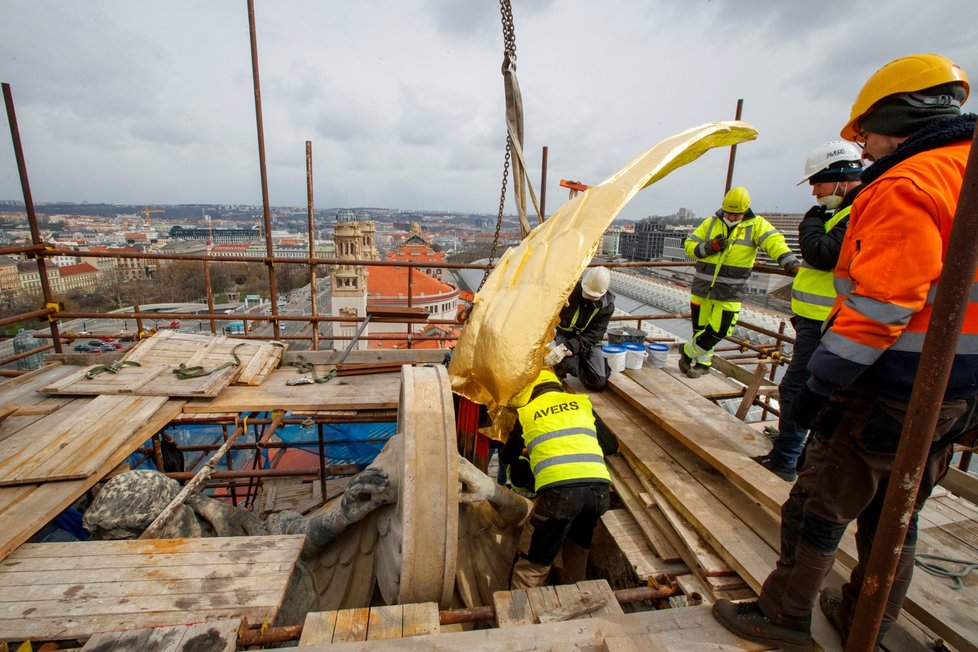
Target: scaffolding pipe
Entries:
(936, 357)
(733, 150)
(313, 290)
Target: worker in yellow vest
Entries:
(725, 246)
(556, 431)
(832, 170)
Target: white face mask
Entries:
(833, 201)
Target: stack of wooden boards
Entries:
(686, 476)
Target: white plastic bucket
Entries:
(658, 354)
(615, 354)
(634, 355)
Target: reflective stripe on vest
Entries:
(559, 432)
(573, 327)
(813, 290)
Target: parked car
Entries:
(95, 343)
(109, 346)
(83, 348)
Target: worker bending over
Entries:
(556, 431)
(725, 246)
(832, 170)
(583, 322)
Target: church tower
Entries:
(349, 282)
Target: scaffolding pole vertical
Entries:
(322, 461)
(543, 182)
(313, 308)
(266, 208)
(733, 150)
(25, 185)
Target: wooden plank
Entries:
(419, 619)
(751, 391)
(7, 410)
(318, 628)
(213, 636)
(542, 599)
(591, 589)
(961, 484)
(625, 531)
(707, 558)
(512, 608)
(625, 485)
(137, 594)
(378, 391)
(25, 509)
(691, 628)
(351, 625)
(640, 643)
(711, 386)
(385, 622)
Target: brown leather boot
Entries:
(575, 563)
(527, 575)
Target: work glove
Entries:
(820, 213)
(806, 406)
(718, 243)
(792, 267)
(556, 353)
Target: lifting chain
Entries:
(509, 60)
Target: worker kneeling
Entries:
(557, 431)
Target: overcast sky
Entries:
(151, 102)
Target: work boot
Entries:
(787, 474)
(575, 563)
(527, 575)
(746, 620)
(830, 602)
(685, 362)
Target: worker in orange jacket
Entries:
(908, 119)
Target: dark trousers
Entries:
(788, 445)
(565, 513)
(590, 366)
(844, 478)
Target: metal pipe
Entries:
(34, 314)
(936, 358)
(25, 185)
(543, 182)
(322, 461)
(26, 354)
(965, 463)
(21, 249)
(229, 462)
(733, 150)
(210, 295)
(339, 469)
(313, 290)
(266, 208)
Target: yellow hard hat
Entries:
(737, 200)
(904, 75)
(545, 376)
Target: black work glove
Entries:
(718, 243)
(820, 213)
(806, 406)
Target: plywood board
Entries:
(130, 584)
(148, 379)
(377, 391)
(73, 442)
(25, 509)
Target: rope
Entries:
(183, 372)
(112, 368)
(305, 367)
(925, 561)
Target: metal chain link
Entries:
(509, 58)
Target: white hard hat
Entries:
(835, 156)
(595, 282)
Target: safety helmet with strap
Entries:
(737, 200)
(904, 75)
(835, 158)
(523, 397)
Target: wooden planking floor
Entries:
(370, 624)
(55, 591)
(209, 636)
(674, 630)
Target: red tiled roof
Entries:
(80, 268)
(389, 282)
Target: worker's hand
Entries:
(718, 243)
(792, 267)
(555, 355)
(806, 406)
(820, 213)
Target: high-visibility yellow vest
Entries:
(812, 292)
(559, 432)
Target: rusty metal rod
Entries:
(25, 185)
(29, 250)
(26, 354)
(12, 373)
(332, 469)
(543, 181)
(313, 290)
(936, 358)
(733, 150)
(265, 206)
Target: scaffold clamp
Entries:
(55, 308)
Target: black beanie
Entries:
(896, 116)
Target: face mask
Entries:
(731, 223)
(833, 201)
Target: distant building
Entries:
(9, 280)
(415, 249)
(387, 287)
(61, 279)
(216, 235)
(647, 242)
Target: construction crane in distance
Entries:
(146, 213)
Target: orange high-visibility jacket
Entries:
(886, 280)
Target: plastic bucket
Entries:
(658, 354)
(634, 355)
(615, 354)
(625, 334)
